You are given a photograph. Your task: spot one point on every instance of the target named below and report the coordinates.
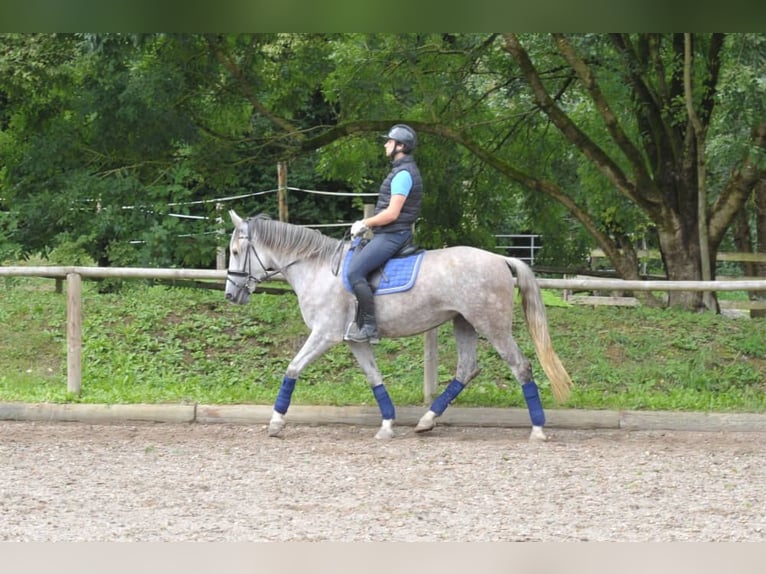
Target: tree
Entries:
(656, 164)
(587, 133)
(111, 143)
(617, 100)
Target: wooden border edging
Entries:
(370, 416)
(98, 413)
(696, 421)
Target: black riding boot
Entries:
(365, 328)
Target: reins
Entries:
(337, 256)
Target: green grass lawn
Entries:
(158, 344)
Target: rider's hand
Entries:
(358, 228)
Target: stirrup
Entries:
(367, 334)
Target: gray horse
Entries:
(471, 287)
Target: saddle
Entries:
(399, 272)
(409, 248)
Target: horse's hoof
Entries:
(276, 428)
(537, 435)
(384, 434)
(426, 423)
(425, 426)
(386, 431)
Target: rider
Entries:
(399, 201)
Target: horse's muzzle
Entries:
(241, 297)
(237, 291)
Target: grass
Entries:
(158, 344)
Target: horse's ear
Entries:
(235, 219)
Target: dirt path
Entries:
(174, 482)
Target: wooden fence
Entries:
(649, 254)
(75, 275)
(720, 256)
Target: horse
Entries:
(471, 287)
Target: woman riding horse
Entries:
(399, 202)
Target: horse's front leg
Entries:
(466, 340)
(366, 359)
(315, 346)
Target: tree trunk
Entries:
(699, 131)
(680, 254)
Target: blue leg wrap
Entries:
(384, 402)
(285, 394)
(532, 396)
(450, 393)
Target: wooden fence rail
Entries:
(74, 276)
(739, 256)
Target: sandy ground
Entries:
(219, 482)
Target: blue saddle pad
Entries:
(398, 274)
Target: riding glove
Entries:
(358, 228)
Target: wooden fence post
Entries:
(430, 343)
(430, 364)
(74, 332)
(220, 254)
(282, 190)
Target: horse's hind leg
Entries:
(467, 368)
(509, 350)
(366, 359)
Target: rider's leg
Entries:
(378, 250)
(366, 324)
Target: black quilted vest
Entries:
(411, 209)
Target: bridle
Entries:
(244, 278)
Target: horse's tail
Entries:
(537, 323)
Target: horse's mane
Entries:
(300, 242)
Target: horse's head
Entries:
(247, 266)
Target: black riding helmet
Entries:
(404, 135)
